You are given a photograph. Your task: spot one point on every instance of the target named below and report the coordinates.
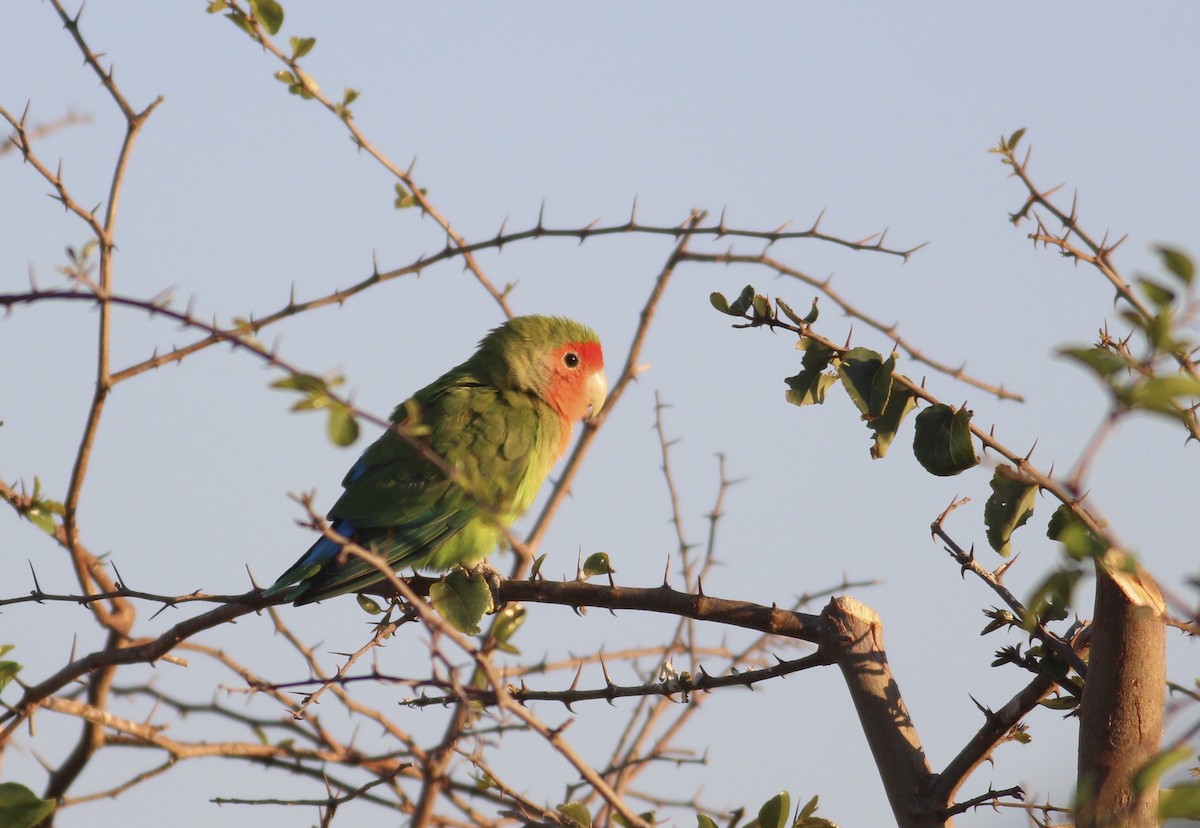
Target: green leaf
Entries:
(647, 817)
(508, 621)
(284, 76)
(809, 386)
(942, 443)
(1015, 139)
(775, 811)
(1162, 394)
(8, 671)
(1010, 505)
(867, 380)
(1051, 601)
(577, 815)
(900, 403)
(705, 821)
(369, 604)
(1079, 541)
(1157, 293)
(1178, 263)
(462, 598)
(301, 46)
(796, 318)
(1180, 802)
(537, 566)
(341, 427)
(1153, 770)
(1060, 703)
(1102, 361)
(405, 199)
(762, 307)
(306, 383)
(21, 807)
(597, 564)
(743, 302)
(239, 19)
(718, 301)
(269, 14)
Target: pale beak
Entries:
(597, 392)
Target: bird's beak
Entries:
(597, 392)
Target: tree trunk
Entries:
(1121, 714)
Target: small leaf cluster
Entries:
(405, 198)
(265, 13)
(942, 442)
(1150, 381)
(316, 393)
(40, 511)
(776, 812)
(575, 814)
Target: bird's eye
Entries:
(571, 359)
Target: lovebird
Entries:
(500, 420)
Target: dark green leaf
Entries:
(1159, 294)
(705, 821)
(865, 381)
(597, 564)
(1051, 600)
(21, 807)
(269, 14)
(1179, 802)
(1080, 542)
(1010, 505)
(1102, 361)
(743, 302)
(1015, 139)
(1178, 263)
(900, 403)
(942, 443)
(576, 814)
(463, 599)
(775, 812)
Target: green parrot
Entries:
(500, 420)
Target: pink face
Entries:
(577, 386)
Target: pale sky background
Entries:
(881, 114)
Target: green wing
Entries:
(499, 445)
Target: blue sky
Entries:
(880, 115)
